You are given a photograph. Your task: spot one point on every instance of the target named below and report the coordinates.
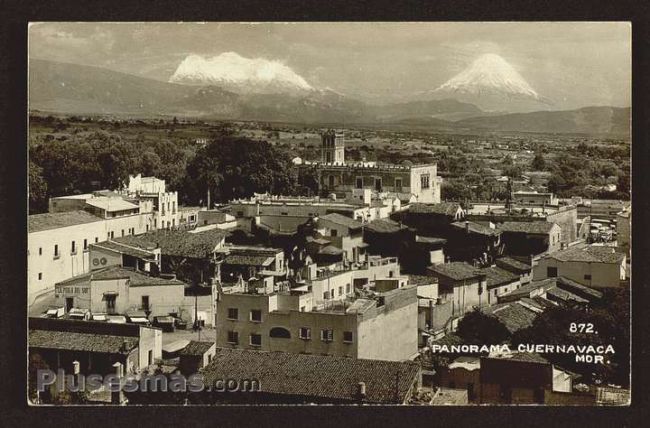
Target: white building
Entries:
(165, 204)
(58, 244)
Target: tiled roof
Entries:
(342, 220)
(524, 357)
(513, 265)
(85, 342)
(246, 260)
(577, 287)
(476, 228)
(196, 348)
(124, 249)
(512, 315)
(430, 240)
(497, 276)
(457, 270)
(589, 253)
(565, 295)
(537, 227)
(331, 250)
(444, 208)
(322, 377)
(385, 225)
(47, 221)
(422, 279)
(525, 290)
(178, 243)
(118, 272)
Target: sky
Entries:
(572, 64)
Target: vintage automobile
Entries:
(138, 317)
(79, 314)
(166, 323)
(54, 312)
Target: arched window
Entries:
(280, 332)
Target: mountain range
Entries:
(281, 95)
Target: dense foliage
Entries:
(68, 160)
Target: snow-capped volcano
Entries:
(489, 74)
(492, 84)
(243, 75)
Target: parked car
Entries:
(54, 312)
(116, 319)
(180, 324)
(79, 314)
(139, 318)
(166, 323)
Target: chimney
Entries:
(466, 226)
(361, 390)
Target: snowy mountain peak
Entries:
(489, 74)
(239, 74)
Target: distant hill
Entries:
(587, 120)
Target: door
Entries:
(69, 304)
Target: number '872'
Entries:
(581, 327)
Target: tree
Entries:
(539, 163)
(512, 171)
(230, 172)
(623, 184)
(478, 328)
(37, 190)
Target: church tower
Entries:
(333, 147)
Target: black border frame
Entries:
(13, 205)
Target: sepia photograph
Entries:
(329, 213)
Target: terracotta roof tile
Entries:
(323, 377)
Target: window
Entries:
(122, 232)
(333, 232)
(233, 337)
(326, 295)
(359, 183)
(255, 339)
(347, 336)
(551, 272)
(256, 315)
(378, 184)
(327, 335)
(233, 313)
(56, 251)
(280, 332)
(73, 248)
(85, 244)
(305, 333)
(40, 251)
(398, 183)
(150, 357)
(331, 180)
(347, 288)
(495, 293)
(424, 181)
(147, 228)
(96, 239)
(588, 277)
(40, 276)
(340, 291)
(112, 234)
(145, 303)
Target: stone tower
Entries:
(333, 147)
